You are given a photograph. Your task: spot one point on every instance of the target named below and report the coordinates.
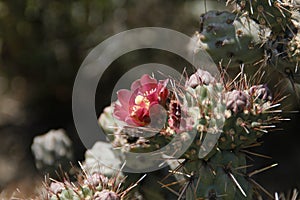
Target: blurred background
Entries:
(42, 45)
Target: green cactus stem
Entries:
(231, 38)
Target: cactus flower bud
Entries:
(106, 195)
(237, 100)
(199, 78)
(56, 187)
(96, 179)
(261, 91)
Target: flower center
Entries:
(142, 101)
(140, 111)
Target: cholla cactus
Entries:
(231, 39)
(272, 13)
(88, 186)
(225, 120)
(227, 124)
(52, 150)
(261, 33)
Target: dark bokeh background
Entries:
(42, 45)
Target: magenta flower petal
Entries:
(124, 97)
(146, 79)
(119, 112)
(130, 121)
(135, 85)
(144, 82)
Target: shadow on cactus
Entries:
(225, 119)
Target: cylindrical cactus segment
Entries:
(223, 120)
(230, 38)
(272, 13)
(218, 178)
(227, 120)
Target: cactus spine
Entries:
(88, 186)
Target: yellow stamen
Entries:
(142, 101)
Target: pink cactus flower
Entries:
(134, 105)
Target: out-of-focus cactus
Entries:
(293, 41)
(260, 33)
(281, 46)
(227, 120)
(272, 13)
(282, 17)
(52, 150)
(231, 38)
(101, 158)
